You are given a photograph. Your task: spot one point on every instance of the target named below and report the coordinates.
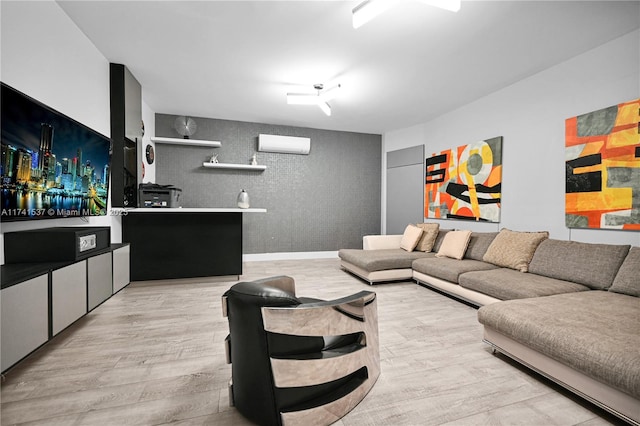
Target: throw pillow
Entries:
(454, 244)
(429, 235)
(513, 249)
(627, 280)
(410, 237)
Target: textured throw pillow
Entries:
(627, 281)
(454, 244)
(429, 235)
(410, 237)
(512, 249)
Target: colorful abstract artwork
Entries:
(603, 168)
(465, 182)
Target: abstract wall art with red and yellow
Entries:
(602, 151)
(465, 182)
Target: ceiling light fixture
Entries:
(369, 9)
(320, 98)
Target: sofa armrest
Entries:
(379, 242)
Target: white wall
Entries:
(530, 115)
(46, 56)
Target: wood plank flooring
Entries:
(154, 354)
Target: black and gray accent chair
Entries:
(298, 360)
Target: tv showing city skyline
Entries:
(52, 166)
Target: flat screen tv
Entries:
(52, 166)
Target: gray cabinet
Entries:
(39, 300)
(25, 319)
(99, 279)
(120, 267)
(68, 295)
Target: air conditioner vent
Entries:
(284, 144)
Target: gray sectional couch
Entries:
(574, 316)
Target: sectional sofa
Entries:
(568, 310)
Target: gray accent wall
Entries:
(323, 201)
(405, 188)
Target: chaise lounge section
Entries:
(382, 258)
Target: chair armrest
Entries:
(341, 317)
(379, 242)
(360, 299)
(326, 318)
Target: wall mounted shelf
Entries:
(189, 142)
(233, 166)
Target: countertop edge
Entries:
(187, 210)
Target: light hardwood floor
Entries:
(153, 354)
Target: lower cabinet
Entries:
(121, 267)
(25, 319)
(99, 279)
(68, 295)
(39, 300)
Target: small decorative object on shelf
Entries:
(185, 126)
(254, 160)
(243, 200)
(214, 159)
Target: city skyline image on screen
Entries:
(52, 166)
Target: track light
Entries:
(369, 9)
(320, 98)
(325, 108)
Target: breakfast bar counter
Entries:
(169, 243)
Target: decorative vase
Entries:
(243, 200)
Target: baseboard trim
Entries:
(260, 257)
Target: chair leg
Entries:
(227, 348)
(232, 402)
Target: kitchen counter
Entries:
(170, 243)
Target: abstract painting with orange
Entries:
(603, 168)
(465, 182)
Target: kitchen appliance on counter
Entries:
(154, 195)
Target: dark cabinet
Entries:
(126, 133)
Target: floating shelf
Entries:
(190, 142)
(233, 166)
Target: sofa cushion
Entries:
(478, 244)
(594, 332)
(381, 260)
(593, 265)
(454, 244)
(429, 235)
(449, 269)
(513, 249)
(507, 284)
(410, 237)
(627, 280)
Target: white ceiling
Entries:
(237, 59)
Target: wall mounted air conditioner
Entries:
(284, 144)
